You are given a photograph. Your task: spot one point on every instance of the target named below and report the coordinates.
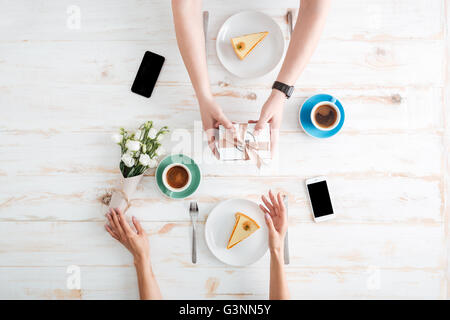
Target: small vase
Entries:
(121, 196)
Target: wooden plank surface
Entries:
(64, 91)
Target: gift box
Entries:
(242, 144)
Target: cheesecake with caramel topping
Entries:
(244, 44)
(243, 228)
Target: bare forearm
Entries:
(148, 287)
(308, 28)
(278, 284)
(187, 16)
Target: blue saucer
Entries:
(305, 116)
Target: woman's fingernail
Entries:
(267, 216)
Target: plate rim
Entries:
(221, 30)
(199, 182)
(209, 245)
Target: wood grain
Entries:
(74, 198)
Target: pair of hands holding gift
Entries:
(271, 114)
(187, 17)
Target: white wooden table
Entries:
(64, 90)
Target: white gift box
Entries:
(242, 144)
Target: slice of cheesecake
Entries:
(243, 228)
(244, 44)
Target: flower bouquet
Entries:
(139, 151)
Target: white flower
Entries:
(116, 138)
(144, 159)
(133, 145)
(128, 160)
(152, 133)
(137, 134)
(153, 163)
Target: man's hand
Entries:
(212, 116)
(135, 241)
(276, 221)
(272, 113)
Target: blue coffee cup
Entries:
(308, 123)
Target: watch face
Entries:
(290, 91)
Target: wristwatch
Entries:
(287, 90)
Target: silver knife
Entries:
(205, 29)
(290, 23)
(286, 240)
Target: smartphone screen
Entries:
(320, 199)
(147, 74)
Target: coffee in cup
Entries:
(325, 115)
(176, 177)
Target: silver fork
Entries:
(193, 211)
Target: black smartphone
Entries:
(147, 74)
(320, 199)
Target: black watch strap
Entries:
(287, 90)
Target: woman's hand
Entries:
(212, 116)
(135, 241)
(272, 113)
(276, 220)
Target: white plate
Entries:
(220, 224)
(264, 57)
